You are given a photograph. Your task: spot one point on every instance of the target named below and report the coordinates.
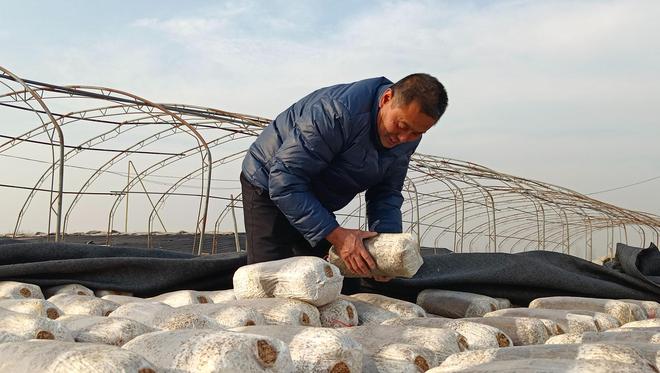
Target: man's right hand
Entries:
(349, 246)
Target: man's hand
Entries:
(349, 246)
(382, 278)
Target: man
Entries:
(318, 154)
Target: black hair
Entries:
(425, 89)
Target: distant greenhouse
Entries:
(79, 154)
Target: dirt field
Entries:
(182, 241)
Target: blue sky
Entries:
(560, 91)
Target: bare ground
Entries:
(181, 241)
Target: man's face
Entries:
(398, 124)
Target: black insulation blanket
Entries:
(521, 277)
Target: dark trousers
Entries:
(270, 236)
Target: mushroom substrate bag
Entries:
(395, 254)
(306, 278)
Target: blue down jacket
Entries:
(317, 155)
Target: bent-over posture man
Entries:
(318, 154)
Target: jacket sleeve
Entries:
(384, 199)
(317, 136)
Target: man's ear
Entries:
(386, 97)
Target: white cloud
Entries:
(183, 27)
(564, 92)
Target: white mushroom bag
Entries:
(396, 255)
(306, 278)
